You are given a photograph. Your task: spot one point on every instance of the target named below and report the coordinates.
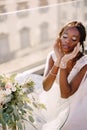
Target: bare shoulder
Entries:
(84, 68)
(83, 62)
(82, 72)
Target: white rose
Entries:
(8, 85)
(13, 89)
(8, 91)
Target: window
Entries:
(21, 7)
(4, 48)
(24, 37)
(43, 3)
(2, 11)
(85, 2)
(86, 27)
(85, 16)
(44, 32)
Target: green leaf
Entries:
(2, 121)
(19, 124)
(16, 114)
(31, 118)
(42, 106)
(6, 117)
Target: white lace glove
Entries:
(67, 57)
(58, 52)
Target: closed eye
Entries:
(74, 39)
(65, 36)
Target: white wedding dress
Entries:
(66, 114)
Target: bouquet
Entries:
(15, 103)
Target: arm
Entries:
(50, 73)
(52, 67)
(66, 88)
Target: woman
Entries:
(66, 72)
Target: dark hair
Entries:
(80, 28)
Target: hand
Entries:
(67, 57)
(57, 50)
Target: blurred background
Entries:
(28, 29)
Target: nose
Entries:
(67, 40)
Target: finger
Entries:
(58, 42)
(72, 54)
(77, 48)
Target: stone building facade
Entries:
(28, 29)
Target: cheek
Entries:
(74, 44)
(72, 47)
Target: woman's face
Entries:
(69, 39)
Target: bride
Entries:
(65, 81)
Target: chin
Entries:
(66, 51)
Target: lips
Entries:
(65, 47)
